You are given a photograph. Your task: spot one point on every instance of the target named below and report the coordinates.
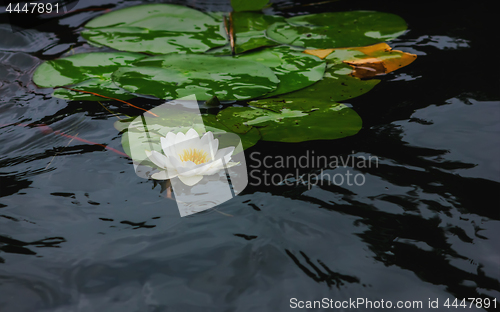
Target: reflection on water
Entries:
(425, 223)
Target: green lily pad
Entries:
(87, 71)
(246, 5)
(336, 85)
(248, 139)
(175, 76)
(100, 86)
(156, 29)
(294, 69)
(136, 39)
(250, 32)
(338, 29)
(327, 123)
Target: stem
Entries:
(107, 97)
(231, 32)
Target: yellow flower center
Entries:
(195, 155)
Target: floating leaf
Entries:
(294, 69)
(89, 71)
(175, 76)
(156, 29)
(248, 5)
(338, 29)
(380, 62)
(250, 32)
(104, 87)
(367, 61)
(336, 85)
(248, 139)
(338, 57)
(330, 122)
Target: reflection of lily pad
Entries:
(328, 123)
(294, 69)
(176, 76)
(156, 29)
(90, 71)
(338, 29)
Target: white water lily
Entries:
(190, 157)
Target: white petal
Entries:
(201, 168)
(228, 151)
(179, 137)
(171, 136)
(187, 165)
(227, 158)
(207, 137)
(163, 175)
(169, 139)
(190, 181)
(214, 168)
(213, 147)
(187, 145)
(171, 152)
(157, 158)
(176, 162)
(191, 169)
(191, 134)
(166, 144)
(232, 164)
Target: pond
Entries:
(417, 224)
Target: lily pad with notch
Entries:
(156, 29)
(336, 85)
(86, 71)
(174, 76)
(338, 29)
(294, 69)
(327, 123)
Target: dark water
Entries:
(79, 231)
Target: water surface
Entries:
(79, 231)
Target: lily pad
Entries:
(336, 85)
(175, 76)
(249, 32)
(246, 5)
(156, 29)
(369, 61)
(338, 29)
(294, 69)
(87, 71)
(248, 139)
(104, 87)
(327, 123)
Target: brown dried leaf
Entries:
(380, 59)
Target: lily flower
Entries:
(190, 157)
